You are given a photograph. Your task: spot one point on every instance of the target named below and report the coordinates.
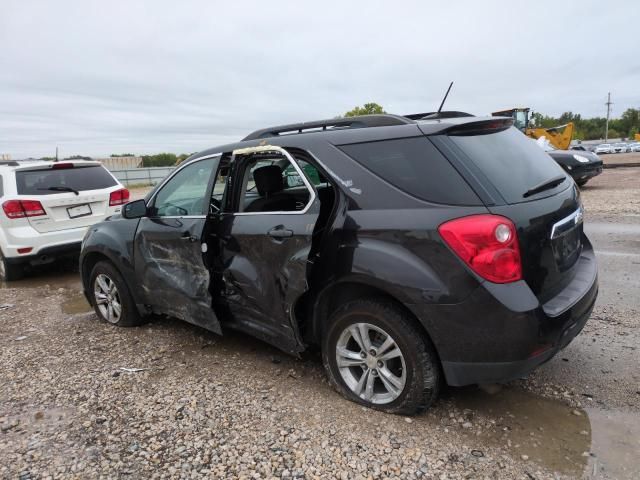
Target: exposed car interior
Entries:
(271, 183)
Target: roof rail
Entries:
(362, 121)
(436, 115)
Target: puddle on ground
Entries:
(76, 303)
(576, 442)
(43, 278)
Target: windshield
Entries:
(520, 120)
(511, 162)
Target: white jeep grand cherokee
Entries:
(47, 207)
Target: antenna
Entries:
(445, 97)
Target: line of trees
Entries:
(157, 160)
(593, 128)
(585, 128)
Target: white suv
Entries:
(47, 207)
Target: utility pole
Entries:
(57, 146)
(606, 128)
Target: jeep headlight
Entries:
(580, 158)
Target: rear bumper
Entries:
(51, 244)
(463, 373)
(47, 253)
(501, 332)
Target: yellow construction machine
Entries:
(559, 137)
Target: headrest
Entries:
(268, 179)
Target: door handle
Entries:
(280, 233)
(189, 237)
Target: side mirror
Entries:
(135, 209)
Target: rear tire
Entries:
(376, 355)
(110, 296)
(10, 271)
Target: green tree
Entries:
(367, 109)
(613, 133)
(159, 160)
(115, 155)
(630, 119)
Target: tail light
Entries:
(119, 197)
(61, 166)
(22, 208)
(488, 244)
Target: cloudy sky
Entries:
(102, 77)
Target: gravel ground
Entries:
(614, 192)
(218, 407)
(205, 405)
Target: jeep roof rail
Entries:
(436, 115)
(362, 121)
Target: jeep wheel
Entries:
(10, 271)
(376, 355)
(110, 297)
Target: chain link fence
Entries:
(141, 176)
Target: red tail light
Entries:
(23, 208)
(488, 244)
(119, 197)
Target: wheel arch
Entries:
(313, 311)
(87, 263)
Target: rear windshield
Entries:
(512, 162)
(415, 166)
(45, 182)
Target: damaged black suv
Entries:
(412, 250)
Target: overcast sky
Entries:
(112, 76)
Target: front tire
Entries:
(9, 271)
(110, 296)
(376, 355)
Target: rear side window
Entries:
(415, 166)
(512, 162)
(47, 182)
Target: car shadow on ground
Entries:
(61, 273)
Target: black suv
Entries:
(412, 250)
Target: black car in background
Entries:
(582, 165)
(412, 250)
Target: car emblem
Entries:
(567, 223)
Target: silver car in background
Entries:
(620, 148)
(604, 148)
